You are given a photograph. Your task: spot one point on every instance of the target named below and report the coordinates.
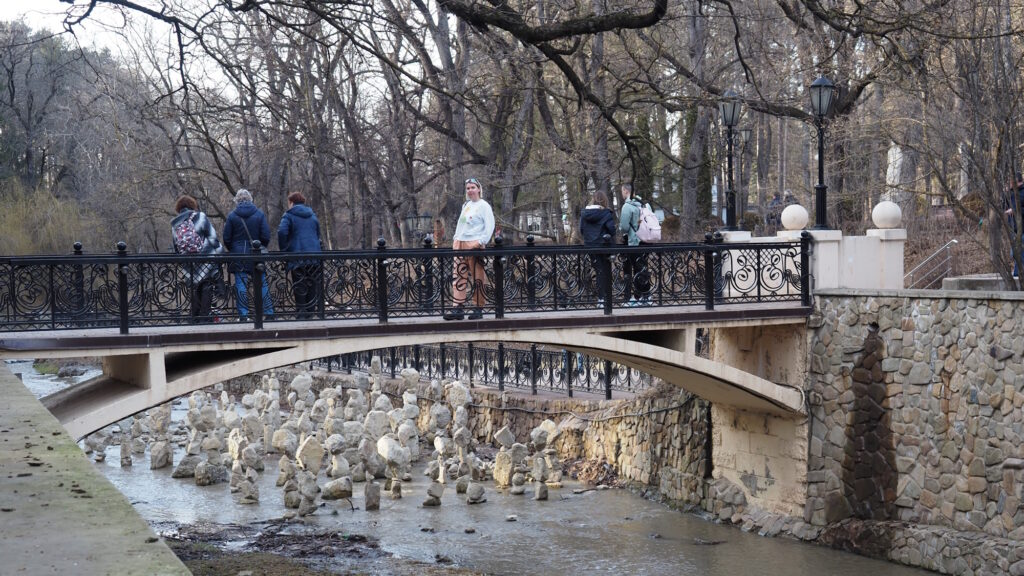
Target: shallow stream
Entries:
(596, 532)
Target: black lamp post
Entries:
(745, 134)
(822, 95)
(730, 107)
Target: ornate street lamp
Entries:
(417, 227)
(730, 107)
(822, 95)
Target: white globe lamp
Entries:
(794, 217)
(887, 215)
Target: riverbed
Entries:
(594, 532)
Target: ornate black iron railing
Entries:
(137, 290)
(534, 368)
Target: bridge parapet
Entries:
(147, 290)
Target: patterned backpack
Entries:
(186, 238)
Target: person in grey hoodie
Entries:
(639, 287)
(473, 232)
(299, 231)
(597, 226)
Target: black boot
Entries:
(456, 313)
(476, 314)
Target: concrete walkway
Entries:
(58, 514)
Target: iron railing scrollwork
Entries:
(529, 369)
(138, 290)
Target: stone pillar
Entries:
(825, 258)
(887, 216)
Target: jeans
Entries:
(242, 281)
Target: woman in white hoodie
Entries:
(473, 232)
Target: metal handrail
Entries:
(943, 267)
(82, 291)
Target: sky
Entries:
(38, 13)
(49, 15)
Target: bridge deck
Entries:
(23, 344)
(58, 515)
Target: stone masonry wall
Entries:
(917, 431)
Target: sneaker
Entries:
(456, 313)
(632, 303)
(600, 302)
(476, 314)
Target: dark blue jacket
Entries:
(235, 238)
(299, 231)
(595, 222)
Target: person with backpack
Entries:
(245, 224)
(473, 232)
(299, 231)
(193, 233)
(597, 227)
(638, 277)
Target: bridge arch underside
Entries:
(136, 380)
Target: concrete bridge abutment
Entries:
(765, 454)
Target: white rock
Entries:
(458, 395)
(408, 433)
(383, 403)
(160, 455)
(376, 424)
(444, 445)
(337, 489)
(372, 494)
(505, 437)
(475, 493)
(461, 419)
(310, 455)
(285, 441)
(339, 467)
(301, 384)
(335, 443)
(440, 417)
(393, 452)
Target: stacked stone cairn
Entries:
(158, 421)
(515, 462)
(349, 436)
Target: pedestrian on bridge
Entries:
(193, 233)
(473, 232)
(597, 227)
(299, 231)
(638, 277)
(246, 224)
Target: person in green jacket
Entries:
(638, 285)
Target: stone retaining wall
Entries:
(916, 418)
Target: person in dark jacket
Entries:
(192, 233)
(299, 231)
(597, 226)
(245, 224)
